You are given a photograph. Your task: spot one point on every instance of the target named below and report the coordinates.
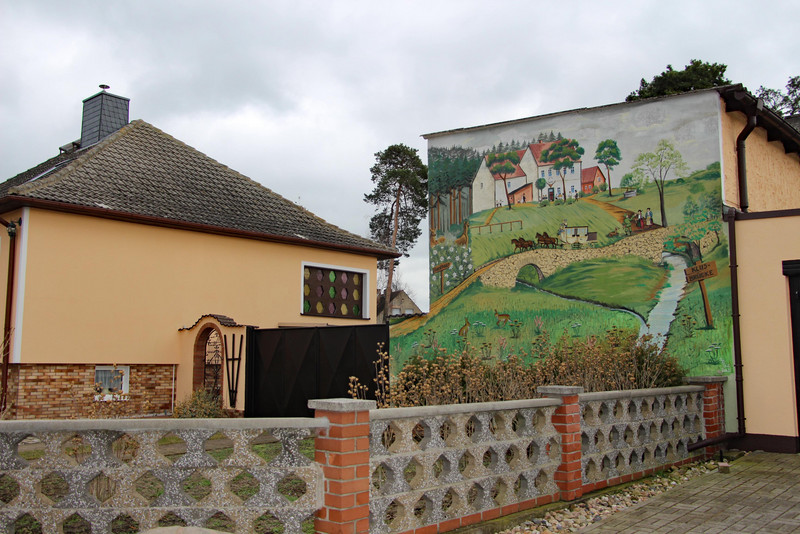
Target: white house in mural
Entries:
(489, 190)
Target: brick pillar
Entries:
(343, 453)
(567, 421)
(713, 406)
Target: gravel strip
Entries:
(576, 516)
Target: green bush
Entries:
(603, 186)
(201, 404)
(544, 203)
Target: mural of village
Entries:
(571, 224)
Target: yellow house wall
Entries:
(773, 177)
(768, 371)
(102, 291)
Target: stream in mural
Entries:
(663, 313)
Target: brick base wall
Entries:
(61, 391)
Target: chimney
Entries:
(103, 114)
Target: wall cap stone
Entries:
(449, 409)
(559, 391)
(705, 379)
(342, 405)
(634, 393)
(134, 425)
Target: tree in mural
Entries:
(400, 195)
(696, 75)
(562, 154)
(787, 103)
(503, 165)
(656, 166)
(609, 155)
(541, 183)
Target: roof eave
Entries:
(737, 98)
(12, 202)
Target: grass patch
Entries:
(531, 312)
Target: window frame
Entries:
(366, 301)
(126, 375)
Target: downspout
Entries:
(11, 227)
(729, 216)
(741, 159)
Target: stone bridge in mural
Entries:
(504, 273)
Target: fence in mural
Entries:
(382, 471)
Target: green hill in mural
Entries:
(503, 321)
(489, 242)
(627, 282)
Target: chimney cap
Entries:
(104, 86)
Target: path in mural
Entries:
(409, 325)
(664, 311)
(620, 213)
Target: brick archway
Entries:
(199, 371)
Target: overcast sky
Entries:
(300, 95)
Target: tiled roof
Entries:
(590, 173)
(224, 320)
(142, 171)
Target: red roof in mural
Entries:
(589, 174)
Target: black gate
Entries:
(288, 366)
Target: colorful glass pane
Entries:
(306, 274)
(344, 278)
(332, 277)
(344, 309)
(332, 292)
(355, 278)
(319, 291)
(306, 290)
(319, 307)
(356, 310)
(344, 293)
(306, 306)
(319, 274)
(355, 294)
(331, 308)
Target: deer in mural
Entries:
(463, 239)
(435, 240)
(502, 318)
(464, 330)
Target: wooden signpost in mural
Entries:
(698, 273)
(441, 268)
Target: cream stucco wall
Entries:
(768, 370)
(103, 291)
(773, 177)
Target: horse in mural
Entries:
(522, 244)
(545, 240)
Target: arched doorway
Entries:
(208, 355)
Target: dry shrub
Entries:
(619, 360)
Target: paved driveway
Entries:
(761, 494)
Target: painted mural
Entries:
(569, 224)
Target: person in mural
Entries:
(562, 230)
(648, 215)
(640, 220)
(626, 225)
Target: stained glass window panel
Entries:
(336, 293)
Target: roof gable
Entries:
(141, 170)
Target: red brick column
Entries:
(343, 452)
(567, 421)
(713, 406)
